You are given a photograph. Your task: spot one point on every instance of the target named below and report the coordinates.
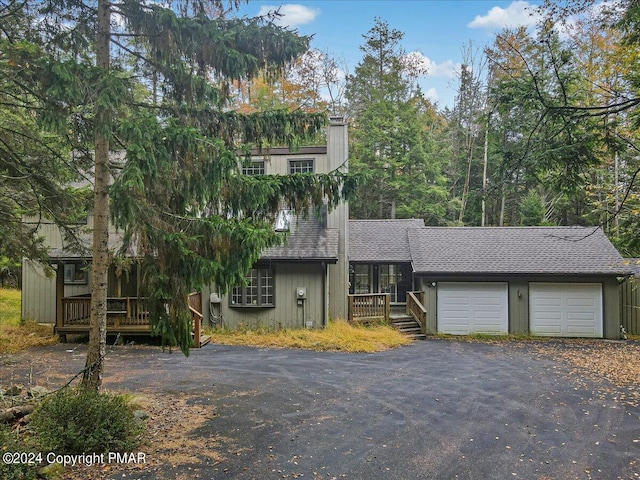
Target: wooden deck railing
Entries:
(195, 307)
(369, 307)
(124, 314)
(121, 311)
(415, 308)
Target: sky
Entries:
(437, 30)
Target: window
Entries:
(259, 291)
(301, 166)
(283, 221)
(362, 279)
(255, 168)
(74, 274)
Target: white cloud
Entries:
(446, 69)
(518, 13)
(432, 94)
(292, 14)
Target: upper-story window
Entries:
(255, 168)
(283, 221)
(304, 165)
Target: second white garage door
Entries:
(465, 308)
(565, 309)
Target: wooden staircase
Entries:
(407, 325)
(195, 307)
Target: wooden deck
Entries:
(125, 315)
(369, 307)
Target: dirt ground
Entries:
(232, 412)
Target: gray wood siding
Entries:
(286, 313)
(611, 305)
(38, 294)
(630, 305)
(430, 303)
(519, 307)
(337, 157)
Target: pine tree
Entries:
(390, 139)
(35, 165)
(154, 82)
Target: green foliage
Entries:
(79, 421)
(531, 210)
(539, 89)
(162, 96)
(193, 219)
(392, 134)
(35, 163)
(11, 442)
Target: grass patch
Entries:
(339, 336)
(16, 335)
(10, 303)
(14, 338)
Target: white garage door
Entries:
(565, 309)
(465, 308)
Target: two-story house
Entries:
(551, 281)
(301, 283)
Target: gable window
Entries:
(283, 221)
(255, 168)
(301, 166)
(74, 274)
(259, 291)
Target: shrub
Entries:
(78, 421)
(11, 443)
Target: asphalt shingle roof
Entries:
(383, 241)
(308, 240)
(514, 250)
(634, 265)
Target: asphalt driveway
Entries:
(436, 409)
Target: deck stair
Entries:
(407, 325)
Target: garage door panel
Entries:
(547, 302)
(580, 331)
(581, 317)
(550, 330)
(485, 308)
(565, 309)
(580, 302)
(491, 329)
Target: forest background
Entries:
(543, 131)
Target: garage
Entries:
(565, 309)
(472, 307)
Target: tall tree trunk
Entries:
(484, 172)
(616, 177)
(92, 377)
(502, 202)
(467, 180)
